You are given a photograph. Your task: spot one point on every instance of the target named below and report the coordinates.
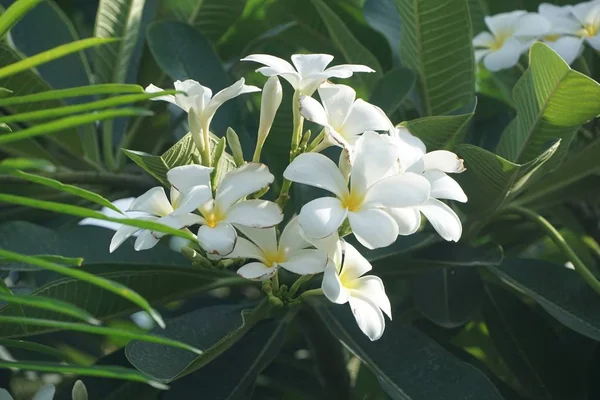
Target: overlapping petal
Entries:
(242, 182)
(373, 227)
(317, 170)
(443, 219)
(255, 213)
(322, 217)
(219, 241)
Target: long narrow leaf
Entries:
(99, 371)
(67, 261)
(98, 330)
(14, 13)
(105, 88)
(85, 213)
(50, 305)
(106, 284)
(32, 346)
(77, 108)
(53, 54)
(70, 122)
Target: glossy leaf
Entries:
(105, 88)
(440, 132)
(14, 13)
(392, 88)
(48, 304)
(437, 46)
(383, 16)
(33, 347)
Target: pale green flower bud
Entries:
(272, 95)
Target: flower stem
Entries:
(276, 282)
(561, 243)
(298, 121)
(316, 141)
(299, 282)
(312, 292)
(107, 146)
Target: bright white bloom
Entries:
(433, 166)
(292, 253)
(374, 186)
(563, 36)
(588, 16)
(511, 34)
(122, 205)
(343, 282)
(308, 72)
(200, 104)
(342, 115)
(271, 100)
(217, 235)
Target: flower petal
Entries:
(147, 240)
(444, 160)
(255, 213)
(371, 287)
(332, 286)
(242, 182)
(154, 201)
(368, 316)
(308, 64)
(276, 63)
(532, 25)
(374, 159)
(594, 42)
(504, 23)
(337, 101)
(228, 93)
(256, 271)
(568, 47)
(291, 239)
(45, 393)
(292, 77)
(405, 190)
(193, 199)
(484, 39)
(363, 117)
(373, 227)
(321, 217)
(443, 219)
(155, 89)
(305, 262)
(246, 249)
(121, 235)
(186, 177)
(219, 240)
(506, 57)
(444, 187)
(264, 238)
(355, 264)
(346, 70)
(313, 111)
(198, 96)
(410, 148)
(479, 54)
(317, 170)
(407, 218)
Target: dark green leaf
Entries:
(391, 90)
(383, 16)
(107, 88)
(14, 13)
(440, 132)
(48, 304)
(33, 347)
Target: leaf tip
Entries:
(158, 385)
(157, 317)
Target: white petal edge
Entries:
(332, 286)
(305, 262)
(373, 228)
(317, 170)
(443, 219)
(255, 214)
(256, 271)
(219, 240)
(242, 182)
(154, 201)
(321, 217)
(368, 316)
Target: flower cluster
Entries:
(383, 182)
(564, 28)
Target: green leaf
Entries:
(408, 364)
(105, 88)
(70, 122)
(437, 45)
(440, 132)
(74, 190)
(491, 181)
(14, 13)
(530, 348)
(50, 305)
(352, 50)
(383, 16)
(211, 329)
(77, 108)
(117, 19)
(50, 55)
(561, 292)
(449, 297)
(103, 283)
(544, 98)
(392, 88)
(478, 9)
(104, 371)
(33, 347)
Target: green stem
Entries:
(257, 151)
(275, 281)
(561, 243)
(299, 282)
(127, 140)
(107, 146)
(312, 292)
(284, 194)
(298, 121)
(316, 141)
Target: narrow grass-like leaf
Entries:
(50, 305)
(106, 284)
(32, 346)
(74, 190)
(68, 261)
(70, 122)
(14, 13)
(92, 90)
(53, 54)
(99, 371)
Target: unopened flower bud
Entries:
(272, 95)
(236, 148)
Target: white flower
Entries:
(310, 70)
(46, 392)
(511, 34)
(374, 185)
(156, 207)
(433, 166)
(200, 104)
(122, 205)
(588, 16)
(343, 282)
(342, 115)
(271, 100)
(563, 35)
(292, 253)
(217, 235)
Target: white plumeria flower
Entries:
(217, 235)
(563, 36)
(511, 34)
(155, 206)
(433, 166)
(308, 72)
(292, 253)
(200, 104)
(46, 392)
(343, 116)
(588, 16)
(344, 282)
(374, 186)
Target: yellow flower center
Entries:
(213, 217)
(551, 38)
(352, 202)
(273, 258)
(499, 42)
(589, 30)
